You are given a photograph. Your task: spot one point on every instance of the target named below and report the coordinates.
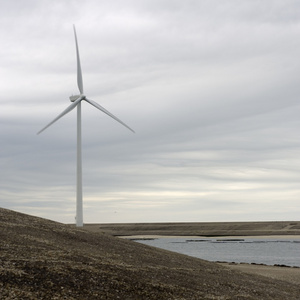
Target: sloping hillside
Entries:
(41, 259)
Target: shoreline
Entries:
(220, 230)
(275, 271)
(234, 264)
(153, 236)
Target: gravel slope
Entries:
(41, 259)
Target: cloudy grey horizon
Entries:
(210, 88)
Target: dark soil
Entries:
(41, 259)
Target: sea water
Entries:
(269, 251)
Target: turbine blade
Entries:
(107, 112)
(67, 110)
(79, 73)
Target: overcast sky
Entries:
(210, 87)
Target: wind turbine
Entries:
(76, 101)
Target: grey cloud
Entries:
(210, 88)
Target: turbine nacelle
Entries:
(73, 98)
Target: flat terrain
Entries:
(41, 259)
(199, 229)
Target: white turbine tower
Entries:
(77, 102)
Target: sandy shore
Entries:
(287, 274)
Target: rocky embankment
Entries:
(41, 259)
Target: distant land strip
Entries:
(208, 229)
